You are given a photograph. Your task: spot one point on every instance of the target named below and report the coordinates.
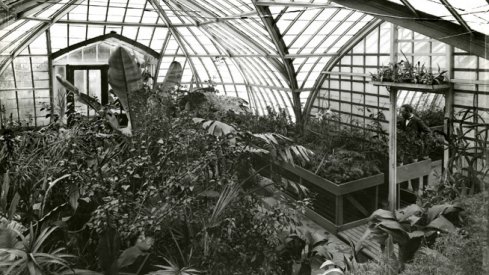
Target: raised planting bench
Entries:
(336, 206)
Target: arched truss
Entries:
(268, 52)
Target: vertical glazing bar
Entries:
(16, 92)
(50, 73)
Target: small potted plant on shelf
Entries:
(405, 72)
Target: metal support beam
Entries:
(69, 6)
(158, 64)
(50, 73)
(21, 8)
(410, 7)
(176, 35)
(238, 34)
(272, 29)
(455, 14)
(292, 4)
(359, 36)
(112, 35)
(108, 23)
(427, 24)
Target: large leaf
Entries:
(408, 211)
(215, 128)
(65, 83)
(380, 215)
(4, 194)
(395, 230)
(437, 210)
(172, 78)
(441, 223)
(81, 97)
(125, 80)
(129, 256)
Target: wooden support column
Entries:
(448, 105)
(393, 127)
(393, 150)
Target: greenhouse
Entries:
(279, 137)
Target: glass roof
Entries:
(228, 42)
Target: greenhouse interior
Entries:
(267, 137)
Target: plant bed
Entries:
(336, 206)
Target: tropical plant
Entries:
(126, 80)
(404, 71)
(409, 227)
(344, 166)
(31, 255)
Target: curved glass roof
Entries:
(267, 52)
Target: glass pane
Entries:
(80, 81)
(95, 87)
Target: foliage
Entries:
(299, 249)
(412, 225)
(272, 122)
(32, 254)
(410, 147)
(468, 157)
(172, 180)
(404, 71)
(432, 116)
(344, 166)
(459, 252)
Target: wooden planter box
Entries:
(339, 207)
(441, 88)
(336, 206)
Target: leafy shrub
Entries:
(432, 117)
(458, 252)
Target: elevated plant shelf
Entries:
(441, 88)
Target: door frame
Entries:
(70, 76)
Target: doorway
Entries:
(91, 80)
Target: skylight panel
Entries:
(78, 13)
(115, 14)
(474, 12)
(51, 10)
(97, 13)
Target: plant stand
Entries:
(393, 88)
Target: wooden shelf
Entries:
(441, 88)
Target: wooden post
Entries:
(393, 126)
(448, 105)
(393, 150)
